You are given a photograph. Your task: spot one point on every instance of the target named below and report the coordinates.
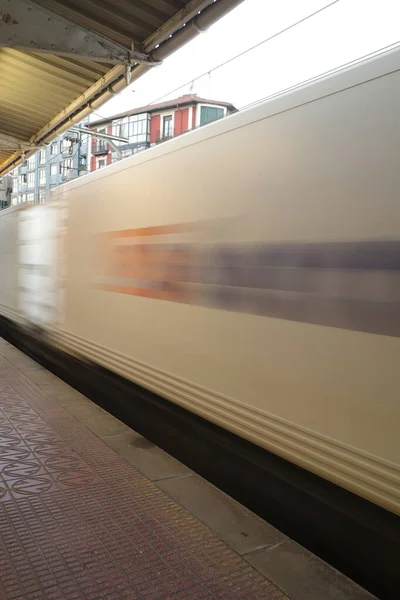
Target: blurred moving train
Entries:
(248, 271)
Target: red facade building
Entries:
(153, 124)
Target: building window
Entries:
(66, 144)
(31, 180)
(124, 128)
(138, 128)
(133, 128)
(31, 162)
(66, 167)
(22, 198)
(42, 176)
(53, 169)
(42, 195)
(167, 126)
(22, 179)
(119, 128)
(42, 157)
(208, 114)
(101, 163)
(30, 197)
(53, 148)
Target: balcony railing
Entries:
(100, 148)
(160, 137)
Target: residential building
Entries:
(152, 124)
(73, 154)
(63, 159)
(5, 191)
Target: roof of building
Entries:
(62, 59)
(185, 100)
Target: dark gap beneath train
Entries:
(353, 535)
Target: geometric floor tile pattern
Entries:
(78, 522)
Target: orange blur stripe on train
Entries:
(135, 263)
(147, 262)
(147, 231)
(144, 293)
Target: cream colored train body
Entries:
(249, 272)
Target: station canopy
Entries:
(62, 59)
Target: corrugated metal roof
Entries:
(123, 21)
(42, 94)
(35, 87)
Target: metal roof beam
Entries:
(180, 18)
(116, 149)
(101, 136)
(9, 142)
(26, 26)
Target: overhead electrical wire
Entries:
(243, 53)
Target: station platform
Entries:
(91, 510)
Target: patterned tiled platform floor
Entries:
(78, 521)
(87, 510)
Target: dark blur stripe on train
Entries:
(349, 285)
(381, 318)
(323, 255)
(359, 538)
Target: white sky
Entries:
(343, 32)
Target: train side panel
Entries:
(9, 231)
(302, 359)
